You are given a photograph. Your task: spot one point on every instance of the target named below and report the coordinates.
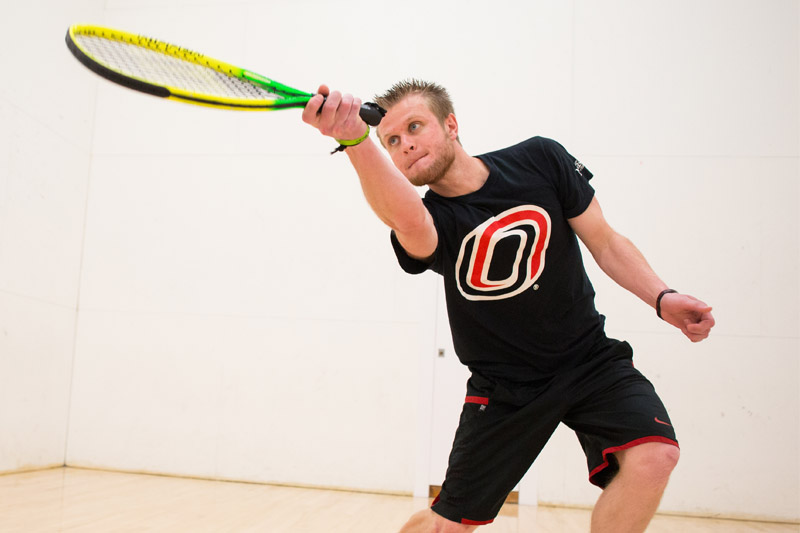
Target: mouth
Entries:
(417, 160)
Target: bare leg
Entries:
(427, 521)
(629, 502)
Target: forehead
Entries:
(413, 106)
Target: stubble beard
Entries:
(436, 170)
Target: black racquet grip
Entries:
(370, 112)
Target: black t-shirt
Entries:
(520, 304)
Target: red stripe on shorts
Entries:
(477, 399)
(476, 522)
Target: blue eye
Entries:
(413, 126)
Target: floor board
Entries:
(88, 501)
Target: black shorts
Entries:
(504, 426)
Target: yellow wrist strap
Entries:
(344, 144)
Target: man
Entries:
(501, 229)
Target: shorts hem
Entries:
(450, 516)
(644, 440)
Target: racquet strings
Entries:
(168, 71)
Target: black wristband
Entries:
(658, 301)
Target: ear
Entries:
(451, 126)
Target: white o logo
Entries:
(530, 226)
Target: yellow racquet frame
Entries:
(286, 96)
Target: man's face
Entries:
(420, 147)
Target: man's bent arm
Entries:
(625, 264)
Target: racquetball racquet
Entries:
(169, 71)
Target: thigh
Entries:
(619, 410)
(500, 433)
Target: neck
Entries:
(467, 174)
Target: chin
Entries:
(420, 180)
(431, 170)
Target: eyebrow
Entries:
(411, 118)
(381, 137)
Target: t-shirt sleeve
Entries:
(408, 263)
(571, 179)
(412, 265)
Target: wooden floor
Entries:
(76, 500)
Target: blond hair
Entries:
(436, 96)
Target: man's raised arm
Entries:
(390, 195)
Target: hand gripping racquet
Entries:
(169, 71)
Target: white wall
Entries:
(688, 116)
(241, 314)
(45, 146)
(240, 311)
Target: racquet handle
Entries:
(370, 112)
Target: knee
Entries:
(652, 461)
(665, 460)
